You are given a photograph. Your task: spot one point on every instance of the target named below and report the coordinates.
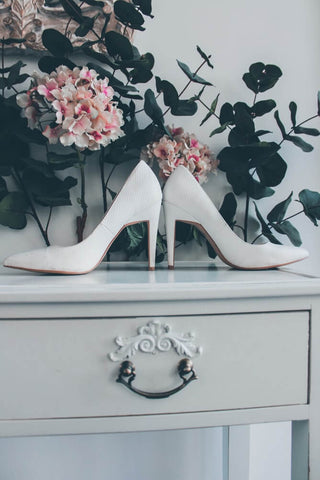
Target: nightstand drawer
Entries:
(61, 369)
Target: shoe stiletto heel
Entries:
(185, 201)
(139, 200)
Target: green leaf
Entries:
(128, 14)
(277, 214)
(140, 75)
(205, 57)
(262, 77)
(184, 108)
(280, 124)
(95, 3)
(272, 172)
(228, 208)
(12, 210)
(307, 131)
(48, 64)
(192, 76)
(263, 107)
(144, 6)
(72, 9)
(298, 142)
(3, 188)
(212, 110)
(39, 166)
(61, 162)
(151, 107)
(56, 43)
(170, 94)
(311, 204)
(219, 129)
(226, 114)
(257, 191)
(264, 227)
(286, 228)
(138, 238)
(243, 119)
(48, 191)
(293, 110)
(118, 44)
(85, 26)
(101, 57)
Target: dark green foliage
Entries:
(311, 204)
(56, 43)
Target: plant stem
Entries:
(186, 86)
(18, 180)
(81, 220)
(246, 218)
(103, 181)
(299, 125)
(2, 64)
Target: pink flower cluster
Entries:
(84, 113)
(183, 149)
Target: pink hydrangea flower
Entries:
(182, 149)
(81, 105)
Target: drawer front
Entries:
(61, 368)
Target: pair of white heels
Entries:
(139, 200)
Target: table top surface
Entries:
(131, 280)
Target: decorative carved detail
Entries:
(28, 18)
(152, 337)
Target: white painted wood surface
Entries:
(56, 332)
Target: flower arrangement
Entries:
(182, 148)
(85, 114)
(96, 110)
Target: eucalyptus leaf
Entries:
(12, 210)
(212, 110)
(263, 107)
(118, 44)
(151, 107)
(170, 94)
(144, 6)
(307, 131)
(85, 26)
(56, 43)
(184, 108)
(205, 57)
(311, 204)
(298, 142)
(277, 214)
(192, 76)
(272, 172)
(280, 124)
(61, 162)
(220, 129)
(128, 14)
(226, 114)
(48, 64)
(293, 111)
(266, 231)
(72, 9)
(257, 191)
(286, 228)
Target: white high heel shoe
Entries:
(185, 201)
(139, 200)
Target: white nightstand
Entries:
(254, 345)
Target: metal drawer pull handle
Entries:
(128, 372)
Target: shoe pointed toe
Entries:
(31, 260)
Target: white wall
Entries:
(238, 33)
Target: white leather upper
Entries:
(184, 199)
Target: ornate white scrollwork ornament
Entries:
(152, 337)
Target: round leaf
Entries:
(118, 44)
(56, 43)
